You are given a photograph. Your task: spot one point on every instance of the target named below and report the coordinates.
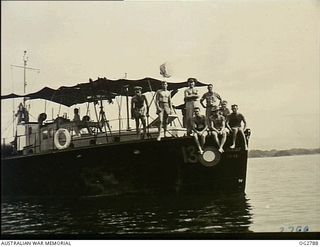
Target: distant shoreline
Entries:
(280, 153)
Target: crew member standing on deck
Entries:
(76, 117)
(164, 107)
(22, 114)
(190, 98)
(234, 121)
(212, 99)
(138, 109)
(77, 121)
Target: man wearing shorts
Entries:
(224, 109)
(234, 123)
(164, 107)
(138, 109)
(217, 127)
(199, 129)
(212, 99)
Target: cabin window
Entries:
(45, 134)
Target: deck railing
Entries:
(42, 140)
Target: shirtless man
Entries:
(217, 127)
(138, 110)
(224, 109)
(164, 107)
(234, 121)
(199, 129)
(212, 99)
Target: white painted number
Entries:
(190, 154)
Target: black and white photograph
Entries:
(160, 120)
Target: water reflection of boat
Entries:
(50, 158)
(134, 215)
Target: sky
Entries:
(261, 55)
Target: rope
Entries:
(32, 116)
(13, 106)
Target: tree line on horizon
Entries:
(278, 153)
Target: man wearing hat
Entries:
(217, 126)
(138, 109)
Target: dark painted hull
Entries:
(147, 166)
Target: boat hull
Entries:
(172, 165)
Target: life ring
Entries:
(210, 157)
(57, 141)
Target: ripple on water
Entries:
(285, 188)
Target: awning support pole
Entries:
(127, 98)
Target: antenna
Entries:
(25, 60)
(24, 67)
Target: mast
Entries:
(25, 60)
(24, 67)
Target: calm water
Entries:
(282, 195)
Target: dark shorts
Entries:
(139, 112)
(199, 129)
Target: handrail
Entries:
(40, 141)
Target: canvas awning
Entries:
(102, 88)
